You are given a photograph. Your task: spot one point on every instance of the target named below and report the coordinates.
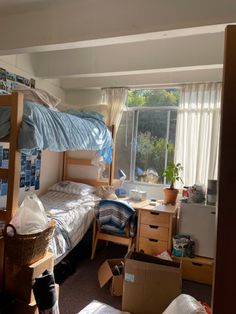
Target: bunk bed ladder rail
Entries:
(12, 174)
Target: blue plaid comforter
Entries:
(113, 216)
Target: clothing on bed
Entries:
(114, 215)
(43, 128)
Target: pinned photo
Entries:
(37, 183)
(32, 181)
(11, 76)
(1, 155)
(27, 186)
(3, 74)
(32, 83)
(3, 187)
(20, 79)
(22, 181)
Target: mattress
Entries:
(73, 214)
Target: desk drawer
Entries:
(152, 246)
(197, 269)
(154, 218)
(154, 232)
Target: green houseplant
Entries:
(172, 174)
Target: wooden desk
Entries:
(155, 227)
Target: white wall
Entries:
(51, 161)
(22, 65)
(80, 98)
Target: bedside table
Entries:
(155, 228)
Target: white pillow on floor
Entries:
(96, 307)
(185, 304)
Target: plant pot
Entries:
(170, 195)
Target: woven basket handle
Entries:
(13, 229)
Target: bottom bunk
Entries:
(71, 205)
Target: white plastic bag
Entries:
(30, 217)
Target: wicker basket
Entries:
(28, 248)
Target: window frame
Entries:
(136, 111)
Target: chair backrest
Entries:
(115, 216)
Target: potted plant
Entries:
(172, 174)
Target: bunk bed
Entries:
(26, 126)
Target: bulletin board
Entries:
(30, 170)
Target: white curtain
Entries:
(197, 134)
(115, 99)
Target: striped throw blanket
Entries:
(113, 216)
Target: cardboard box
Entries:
(105, 275)
(19, 279)
(150, 283)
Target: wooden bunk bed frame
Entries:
(12, 175)
(67, 161)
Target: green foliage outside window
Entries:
(151, 140)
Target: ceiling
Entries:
(91, 44)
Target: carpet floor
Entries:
(77, 276)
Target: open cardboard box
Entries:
(150, 283)
(105, 274)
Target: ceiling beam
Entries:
(170, 77)
(137, 58)
(70, 22)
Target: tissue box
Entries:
(137, 195)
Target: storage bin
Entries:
(29, 248)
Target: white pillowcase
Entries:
(70, 187)
(39, 96)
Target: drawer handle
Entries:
(153, 227)
(213, 213)
(196, 264)
(153, 240)
(154, 213)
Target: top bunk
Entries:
(46, 128)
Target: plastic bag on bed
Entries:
(30, 217)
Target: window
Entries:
(146, 135)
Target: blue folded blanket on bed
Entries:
(43, 128)
(114, 215)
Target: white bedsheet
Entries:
(73, 215)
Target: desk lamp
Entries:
(121, 192)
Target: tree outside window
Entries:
(146, 136)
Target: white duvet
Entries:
(73, 215)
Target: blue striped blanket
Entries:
(114, 215)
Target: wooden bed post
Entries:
(64, 167)
(12, 174)
(14, 156)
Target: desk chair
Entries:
(106, 225)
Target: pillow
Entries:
(73, 188)
(185, 304)
(39, 96)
